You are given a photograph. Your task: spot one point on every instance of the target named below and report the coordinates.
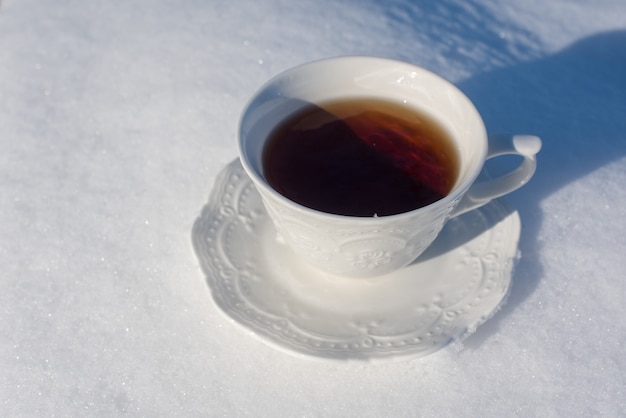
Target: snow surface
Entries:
(115, 118)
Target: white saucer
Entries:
(457, 284)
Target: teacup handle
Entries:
(483, 191)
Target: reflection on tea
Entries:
(361, 157)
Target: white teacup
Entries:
(372, 246)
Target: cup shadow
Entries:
(461, 230)
(575, 100)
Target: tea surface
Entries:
(361, 157)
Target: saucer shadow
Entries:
(575, 101)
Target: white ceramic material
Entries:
(366, 247)
(257, 281)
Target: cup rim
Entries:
(456, 193)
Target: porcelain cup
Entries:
(374, 246)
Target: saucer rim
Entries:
(307, 351)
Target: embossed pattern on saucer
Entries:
(457, 284)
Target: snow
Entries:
(116, 118)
